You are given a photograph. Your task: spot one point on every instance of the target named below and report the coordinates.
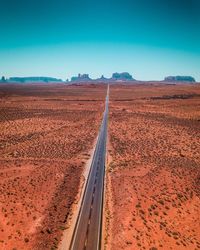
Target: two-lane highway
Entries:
(87, 233)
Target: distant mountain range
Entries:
(179, 79)
(32, 79)
(116, 77)
(124, 76)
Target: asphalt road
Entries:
(87, 233)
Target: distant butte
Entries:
(179, 79)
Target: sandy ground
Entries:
(153, 175)
(46, 134)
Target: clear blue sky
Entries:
(148, 38)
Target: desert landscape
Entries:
(152, 196)
(153, 174)
(100, 125)
(47, 133)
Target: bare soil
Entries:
(46, 133)
(153, 175)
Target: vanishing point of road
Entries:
(88, 229)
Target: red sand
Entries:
(46, 134)
(153, 176)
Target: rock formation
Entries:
(81, 78)
(124, 76)
(34, 79)
(179, 79)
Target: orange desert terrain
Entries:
(153, 172)
(46, 134)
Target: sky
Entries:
(150, 39)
